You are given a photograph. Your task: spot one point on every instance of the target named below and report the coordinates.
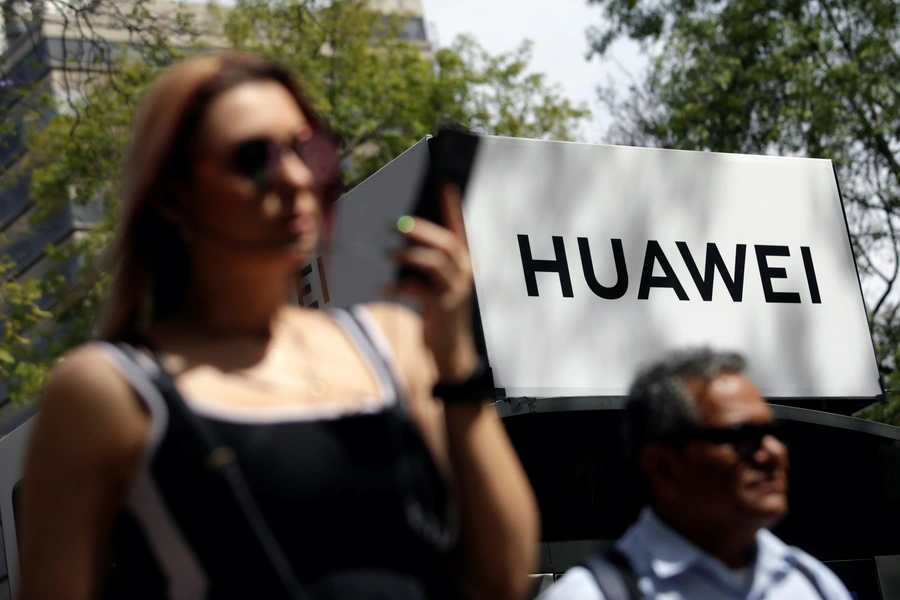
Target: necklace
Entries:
(316, 385)
(285, 372)
(313, 384)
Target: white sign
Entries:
(591, 261)
(357, 264)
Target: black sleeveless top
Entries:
(343, 493)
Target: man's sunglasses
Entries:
(745, 438)
(259, 159)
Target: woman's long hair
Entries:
(150, 258)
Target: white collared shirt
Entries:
(669, 567)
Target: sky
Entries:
(557, 28)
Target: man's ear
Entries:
(659, 465)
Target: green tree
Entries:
(794, 77)
(75, 134)
(380, 92)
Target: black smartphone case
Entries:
(451, 158)
(452, 155)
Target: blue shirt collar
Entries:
(668, 553)
(774, 558)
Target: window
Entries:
(413, 29)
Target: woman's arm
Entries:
(85, 445)
(500, 525)
(500, 528)
(499, 522)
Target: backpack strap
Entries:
(810, 576)
(220, 459)
(614, 575)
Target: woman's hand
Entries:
(442, 256)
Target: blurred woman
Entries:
(365, 485)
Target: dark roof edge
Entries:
(510, 407)
(818, 417)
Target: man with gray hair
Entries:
(713, 455)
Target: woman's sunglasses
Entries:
(745, 438)
(259, 159)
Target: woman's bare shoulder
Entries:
(88, 407)
(395, 318)
(86, 373)
(402, 328)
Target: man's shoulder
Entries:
(577, 584)
(829, 583)
(824, 578)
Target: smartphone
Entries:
(451, 157)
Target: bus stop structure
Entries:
(590, 260)
(564, 348)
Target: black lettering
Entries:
(767, 274)
(609, 293)
(714, 261)
(530, 266)
(305, 285)
(323, 280)
(655, 254)
(304, 289)
(811, 275)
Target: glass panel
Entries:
(413, 29)
(860, 577)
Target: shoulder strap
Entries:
(810, 576)
(614, 575)
(357, 331)
(220, 459)
(439, 533)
